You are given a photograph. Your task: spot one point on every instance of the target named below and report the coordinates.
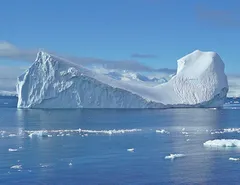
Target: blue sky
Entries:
(158, 32)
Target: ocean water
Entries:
(119, 146)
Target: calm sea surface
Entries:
(118, 146)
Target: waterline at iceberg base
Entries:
(53, 82)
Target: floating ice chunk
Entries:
(222, 143)
(230, 130)
(44, 165)
(173, 156)
(17, 167)
(70, 164)
(110, 132)
(38, 134)
(226, 130)
(130, 150)
(12, 135)
(213, 108)
(162, 131)
(51, 133)
(12, 150)
(234, 159)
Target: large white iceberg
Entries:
(54, 82)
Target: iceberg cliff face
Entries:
(53, 82)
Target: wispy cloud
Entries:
(166, 70)
(218, 17)
(109, 64)
(8, 77)
(10, 51)
(138, 55)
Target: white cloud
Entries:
(8, 77)
(9, 51)
(234, 85)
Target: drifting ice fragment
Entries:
(130, 150)
(16, 167)
(173, 156)
(12, 150)
(222, 143)
(162, 131)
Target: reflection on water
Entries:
(95, 143)
(194, 125)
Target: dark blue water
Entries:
(64, 154)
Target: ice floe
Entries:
(19, 167)
(130, 150)
(12, 150)
(222, 143)
(12, 135)
(51, 133)
(234, 159)
(173, 156)
(110, 132)
(44, 165)
(185, 133)
(162, 131)
(40, 133)
(226, 130)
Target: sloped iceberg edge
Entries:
(53, 82)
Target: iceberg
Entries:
(54, 82)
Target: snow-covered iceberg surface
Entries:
(222, 143)
(53, 82)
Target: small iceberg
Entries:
(222, 143)
(38, 134)
(234, 159)
(130, 150)
(173, 156)
(19, 167)
(12, 135)
(12, 150)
